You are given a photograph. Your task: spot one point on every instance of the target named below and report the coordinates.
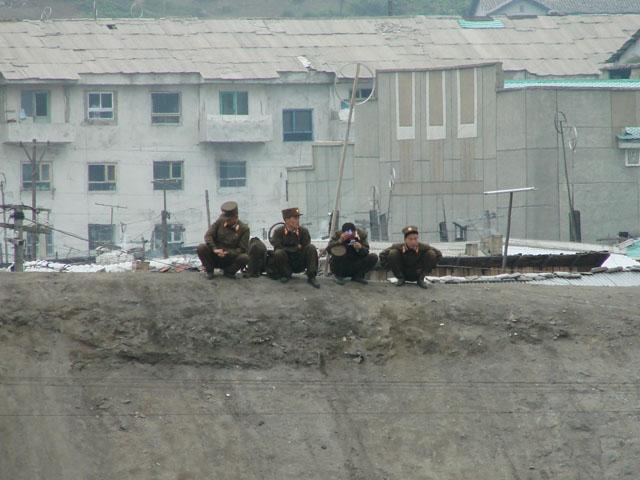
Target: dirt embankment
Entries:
(153, 376)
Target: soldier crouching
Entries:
(226, 243)
(293, 250)
(350, 257)
(410, 260)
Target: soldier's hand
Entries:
(344, 237)
(357, 245)
(299, 245)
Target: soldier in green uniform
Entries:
(410, 260)
(350, 257)
(226, 243)
(293, 250)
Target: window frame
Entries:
(90, 110)
(294, 135)
(235, 102)
(34, 106)
(172, 182)
(636, 160)
(41, 185)
(49, 250)
(111, 184)
(100, 242)
(162, 118)
(232, 182)
(173, 230)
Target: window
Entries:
(632, 157)
(467, 100)
(168, 175)
(234, 103)
(43, 176)
(102, 177)
(174, 235)
(165, 108)
(297, 125)
(48, 245)
(100, 105)
(233, 174)
(100, 235)
(35, 104)
(361, 94)
(405, 111)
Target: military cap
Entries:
(349, 226)
(229, 209)
(291, 212)
(410, 229)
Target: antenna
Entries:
(137, 4)
(46, 13)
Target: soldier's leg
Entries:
(281, 263)
(339, 266)
(427, 262)
(362, 265)
(207, 257)
(394, 262)
(310, 254)
(236, 263)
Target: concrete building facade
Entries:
(452, 134)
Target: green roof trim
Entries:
(574, 83)
(480, 23)
(630, 133)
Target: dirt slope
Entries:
(168, 376)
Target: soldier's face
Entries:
(292, 222)
(232, 220)
(411, 240)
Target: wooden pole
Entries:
(334, 216)
(506, 241)
(206, 201)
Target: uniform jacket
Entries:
(409, 257)
(232, 238)
(361, 237)
(282, 238)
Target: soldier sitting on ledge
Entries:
(410, 260)
(350, 257)
(226, 243)
(293, 250)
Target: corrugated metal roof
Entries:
(630, 133)
(574, 83)
(66, 49)
(494, 23)
(604, 279)
(487, 7)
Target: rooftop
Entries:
(261, 49)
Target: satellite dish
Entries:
(343, 73)
(46, 13)
(392, 178)
(559, 121)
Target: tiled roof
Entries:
(488, 7)
(246, 49)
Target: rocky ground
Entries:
(169, 376)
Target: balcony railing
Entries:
(237, 129)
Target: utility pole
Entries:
(4, 218)
(35, 167)
(112, 207)
(165, 215)
(18, 241)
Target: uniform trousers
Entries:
(229, 263)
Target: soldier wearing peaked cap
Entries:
(410, 260)
(293, 250)
(350, 257)
(226, 243)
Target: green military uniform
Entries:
(345, 260)
(409, 264)
(225, 234)
(293, 251)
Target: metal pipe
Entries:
(506, 241)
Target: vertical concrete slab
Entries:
(540, 111)
(511, 125)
